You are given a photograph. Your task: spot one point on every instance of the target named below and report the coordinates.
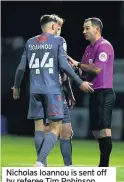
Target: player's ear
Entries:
(54, 26)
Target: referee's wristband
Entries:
(79, 65)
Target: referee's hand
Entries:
(86, 87)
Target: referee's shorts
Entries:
(100, 107)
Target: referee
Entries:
(97, 67)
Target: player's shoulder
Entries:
(61, 39)
(33, 38)
(63, 43)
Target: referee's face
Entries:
(89, 31)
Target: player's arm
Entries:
(69, 93)
(21, 69)
(64, 65)
(70, 99)
(19, 74)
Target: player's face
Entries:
(58, 33)
(55, 29)
(89, 31)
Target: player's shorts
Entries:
(42, 106)
(67, 114)
(101, 106)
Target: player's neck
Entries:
(96, 38)
(48, 31)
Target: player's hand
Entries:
(16, 93)
(86, 87)
(72, 61)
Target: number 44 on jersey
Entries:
(35, 63)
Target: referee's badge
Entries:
(103, 56)
(90, 61)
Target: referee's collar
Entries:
(97, 41)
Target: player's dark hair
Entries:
(51, 18)
(46, 19)
(95, 21)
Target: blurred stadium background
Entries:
(19, 22)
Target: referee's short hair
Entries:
(50, 18)
(95, 21)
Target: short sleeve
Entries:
(102, 55)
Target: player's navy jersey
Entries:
(45, 56)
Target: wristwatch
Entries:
(79, 65)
